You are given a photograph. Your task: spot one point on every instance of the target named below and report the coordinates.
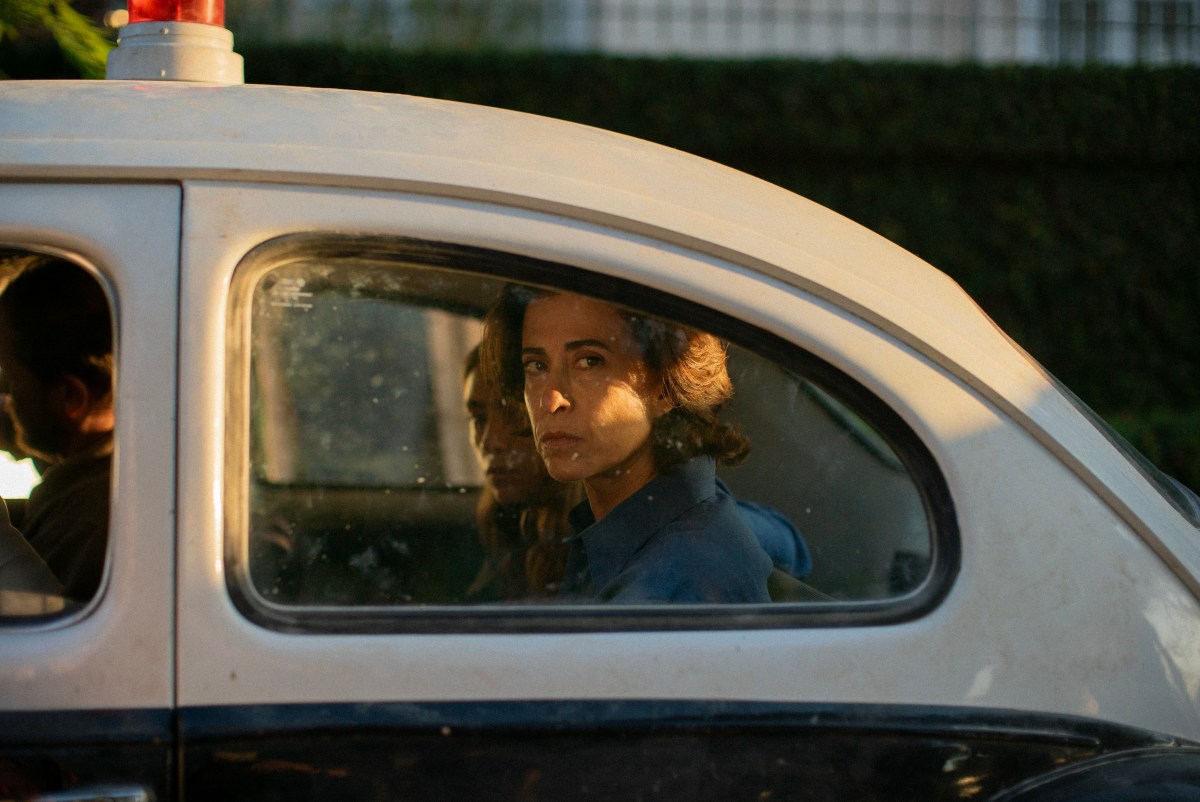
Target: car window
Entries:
(56, 431)
(389, 472)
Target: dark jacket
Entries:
(680, 538)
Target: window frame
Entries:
(906, 445)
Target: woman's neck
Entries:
(607, 490)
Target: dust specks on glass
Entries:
(367, 484)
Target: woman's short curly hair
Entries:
(691, 364)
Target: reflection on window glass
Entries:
(346, 394)
(424, 436)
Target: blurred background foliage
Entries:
(81, 44)
(1065, 200)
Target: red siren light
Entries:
(207, 12)
(175, 40)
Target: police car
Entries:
(1001, 601)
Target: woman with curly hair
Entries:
(628, 405)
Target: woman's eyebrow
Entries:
(573, 344)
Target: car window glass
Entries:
(57, 377)
(361, 488)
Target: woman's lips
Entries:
(558, 441)
(503, 472)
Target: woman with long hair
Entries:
(628, 405)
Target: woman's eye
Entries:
(590, 361)
(534, 366)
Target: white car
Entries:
(1002, 601)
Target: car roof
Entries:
(124, 130)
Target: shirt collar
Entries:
(611, 542)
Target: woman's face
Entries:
(590, 396)
(503, 442)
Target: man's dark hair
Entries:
(59, 321)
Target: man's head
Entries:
(56, 361)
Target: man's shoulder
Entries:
(87, 476)
(72, 497)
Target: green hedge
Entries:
(1065, 200)
(865, 113)
(1169, 439)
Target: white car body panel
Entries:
(1075, 660)
(118, 652)
(1038, 618)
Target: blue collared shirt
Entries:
(677, 539)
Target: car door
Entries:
(87, 687)
(329, 644)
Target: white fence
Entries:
(990, 31)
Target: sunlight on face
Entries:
(589, 393)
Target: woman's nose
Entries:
(555, 398)
(491, 437)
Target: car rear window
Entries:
(361, 495)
